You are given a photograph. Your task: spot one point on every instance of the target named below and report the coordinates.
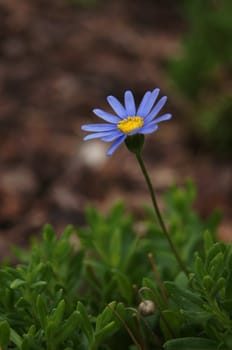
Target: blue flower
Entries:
(127, 120)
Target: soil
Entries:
(58, 61)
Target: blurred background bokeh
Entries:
(59, 59)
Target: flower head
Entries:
(127, 120)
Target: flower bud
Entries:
(146, 307)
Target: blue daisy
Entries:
(127, 120)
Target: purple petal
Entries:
(115, 145)
(129, 103)
(106, 116)
(135, 131)
(163, 117)
(96, 135)
(98, 127)
(112, 136)
(143, 103)
(148, 103)
(117, 106)
(149, 128)
(156, 109)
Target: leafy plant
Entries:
(82, 290)
(204, 304)
(185, 227)
(203, 71)
(39, 302)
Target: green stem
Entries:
(158, 214)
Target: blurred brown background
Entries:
(58, 61)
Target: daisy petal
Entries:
(129, 103)
(145, 109)
(115, 145)
(143, 120)
(112, 136)
(143, 103)
(98, 127)
(108, 117)
(135, 131)
(163, 117)
(96, 135)
(149, 128)
(156, 109)
(117, 106)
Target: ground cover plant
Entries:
(161, 282)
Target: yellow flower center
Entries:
(130, 124)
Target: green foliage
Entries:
(39, 303)
(185, 227)
(114, 260)
(203, 72)
(204, 305)
(81, 290)
(206, 46)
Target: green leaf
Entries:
(4, 334)
(105, 316)
(228, 287)
(208, 283)
(29, 341)
(115, 247)
(174, 320)
(58, 313)
(124, 285)
(39, 284)
(70, 326)
(41, 311)
(218, 286)
(50, 332)
(196, 316)
(199, 267)
(21, 303)
(190, 343)
(32, 331)
(121, 311)
(208, 241)
(216, 265)
(183, 297)
(25, 344)
(218, 247)
(15, 338)
(17, 283)
(48, 234)
(107, 323)
(86, 324)
(105, 332)
(130, 253)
